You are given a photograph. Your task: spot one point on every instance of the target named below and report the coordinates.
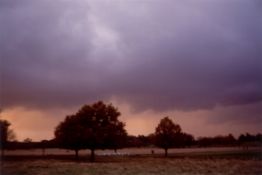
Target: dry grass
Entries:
(221, 162)
(138, 166)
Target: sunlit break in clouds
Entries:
(197, 61)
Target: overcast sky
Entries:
(198, 61)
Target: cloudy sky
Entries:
(197, 61)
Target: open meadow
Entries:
(136, 161)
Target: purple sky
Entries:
(151, 58)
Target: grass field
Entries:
(182, 161)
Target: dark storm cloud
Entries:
(45, 48)
(188, 55)
(247, 114)
(151, 54)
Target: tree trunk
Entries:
(1, 160)
(92, 156)
(166, 152)
(2, 152)
(76, 154)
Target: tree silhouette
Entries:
(6, 134)
(166, 133)
(69, 134)
(93, 127)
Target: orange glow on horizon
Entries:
(39, 125)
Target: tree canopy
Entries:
(3, 132)
(94, 126)
(6, 134)
(167, 134)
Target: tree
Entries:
(44, 144)
(28, 140)
(93, 127)
(116, 137)
(166, 133)
(69, 134)
(6, 134)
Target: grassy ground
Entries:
(224, 163)
(138, 166)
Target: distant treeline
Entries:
(186, 140)
(229, 140)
